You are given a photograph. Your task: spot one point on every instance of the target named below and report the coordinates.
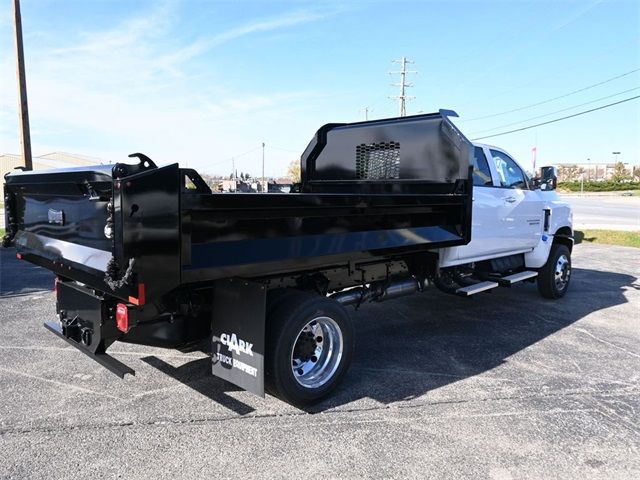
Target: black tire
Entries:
(284, 324)
(555, 275)
(276, 296)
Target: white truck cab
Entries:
(514, 218)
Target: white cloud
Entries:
(204, 44)
(130, 88)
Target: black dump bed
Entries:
(369, 190)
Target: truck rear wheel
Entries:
(309, 348)
(554, 277)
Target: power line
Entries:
(557, 111)
(283, 149)
(247, 152)
(402, 97)
(232, 158)
(558, 119)
(552, 99)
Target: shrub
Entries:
(606, 186)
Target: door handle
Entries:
(510, 199)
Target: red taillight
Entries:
(56, 282)
(19, 256)
(122, 317)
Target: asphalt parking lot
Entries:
(507, 385)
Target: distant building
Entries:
(592, 171)
(252, 185)
(10, 162)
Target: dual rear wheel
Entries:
(309, 346)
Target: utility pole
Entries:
(616, 156)
(233, 172)
(402, 97)
(23, 110)
(263, 183)
(366, 113)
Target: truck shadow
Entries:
(406, 348)
(197, 375)
(20, 277)
(411, 346)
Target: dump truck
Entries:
(149, 255)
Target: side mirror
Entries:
(548, 179)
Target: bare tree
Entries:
(293, 171)
(620, 173)
(569, 173)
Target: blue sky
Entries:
(201, 81)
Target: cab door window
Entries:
(481, 172)
(510, 174)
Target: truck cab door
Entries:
(521, 208)
(486, 220)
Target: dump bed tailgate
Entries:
(61, 214)
(110, 227)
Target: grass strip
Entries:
(608, 237)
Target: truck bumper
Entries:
(86, 322)
(102, 358)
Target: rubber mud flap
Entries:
(237, 333)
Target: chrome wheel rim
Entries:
(317, 352)
(562, 272)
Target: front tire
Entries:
(555, 275)
(309, 348)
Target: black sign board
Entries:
(237, 326)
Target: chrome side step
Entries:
(476, 288)
(516, 277)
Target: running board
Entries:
(476, 288)
(516, 277)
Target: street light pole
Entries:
(263, 183)
(616, 156)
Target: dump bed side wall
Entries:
(254, 235)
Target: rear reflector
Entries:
(122, 317)
(140, 301)
(55, 285)
(19, 256)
